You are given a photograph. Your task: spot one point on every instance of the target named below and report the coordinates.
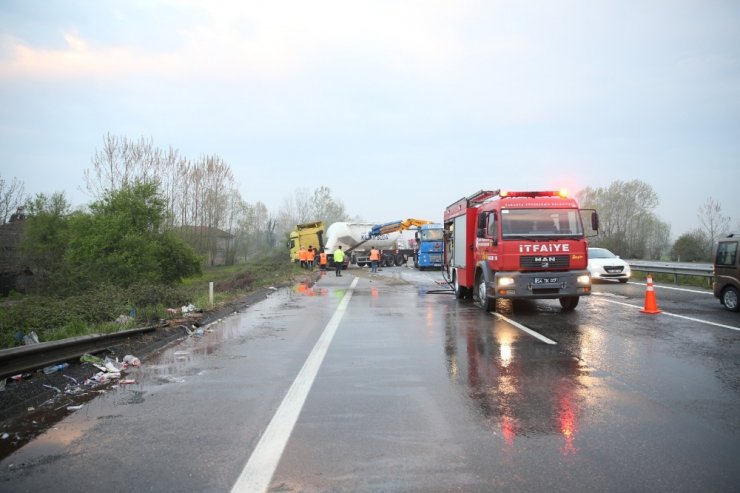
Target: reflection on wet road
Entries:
(522, 389)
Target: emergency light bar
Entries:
(547, 193)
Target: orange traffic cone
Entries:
(651, 305)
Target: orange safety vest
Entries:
(302, 254)
(322, 258)
(374, 254)
(311, 255)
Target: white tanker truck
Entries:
(396, 246)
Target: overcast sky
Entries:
(399, 107)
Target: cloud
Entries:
(79, 59)
(226, 40)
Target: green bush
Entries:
(96, 310)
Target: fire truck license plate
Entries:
(545, 280)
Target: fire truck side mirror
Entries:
(595, 221)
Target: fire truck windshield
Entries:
(530, 223)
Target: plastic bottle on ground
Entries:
(55, 368)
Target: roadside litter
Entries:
(109, 370)
(185, 309)
(30, 338)
(124, 319)
(55, 368)
(89, 358)
(131, 360)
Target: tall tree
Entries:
(256, 230)
(306, 207)
(122, 162)
(627, 220)
(713, 223)
(325, 208)
(691, 247)
(45, 239)
(12, 195)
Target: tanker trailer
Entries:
(356, 241)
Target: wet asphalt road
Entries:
(419, 392)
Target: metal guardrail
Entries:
(33, 356)
(675, 268)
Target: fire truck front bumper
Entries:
(540, 285)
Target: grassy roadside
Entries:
(110, 309)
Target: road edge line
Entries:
(707, 322)
(262, 463)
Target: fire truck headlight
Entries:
(584, 280)
(505, 281)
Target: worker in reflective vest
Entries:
(302, 256)
(322, 259)
(374, 258)
(310, 257)
(338, 260)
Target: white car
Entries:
(603, 264)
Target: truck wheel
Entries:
(400, 260)
(730, 299)
(486, 303)
(569, 302)
(460, 291)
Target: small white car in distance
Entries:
(603, 264)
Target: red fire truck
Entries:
(518, 245)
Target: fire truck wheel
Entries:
(486, 303)
(569, 302)
(460, 291)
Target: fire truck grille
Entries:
(544, 262)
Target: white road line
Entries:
(525, 329)
(673, 288)
(261, 465)
(676, 315)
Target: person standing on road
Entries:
(374, 258)
(322, 260)
(302, 256)
(310, 257)
(338, 260)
